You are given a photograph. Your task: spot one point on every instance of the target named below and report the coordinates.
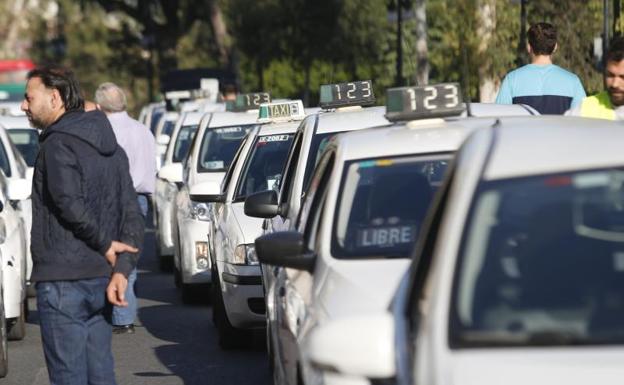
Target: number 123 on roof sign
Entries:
(421, 102)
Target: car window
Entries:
(183, 142)
(27, 142)
(312, 208)
(542, 262)
(218, 147)
(264, 165)
(5, 165)
(168, 126)
(382, 204)
(290, 168)
(228, 175)
(156, 114)
(318, 144)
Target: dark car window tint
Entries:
(218, 147)
(183, 142)
(542, 263)
(382, 204)
(27, 142)
(265, 164)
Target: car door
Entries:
(293, 289)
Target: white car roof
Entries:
(428, 137)
(191, 118)
(493, 109)
(543, 145)
(224, 119)
(349, 118)
(10, 122)
(278, 128)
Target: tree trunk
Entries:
(219, 30)
(306, 90)
(486, 11)
(422, 50)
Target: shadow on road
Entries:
(185, 340)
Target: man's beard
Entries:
(36, 123)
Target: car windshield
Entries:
(183, 142)
(264, 164)
(27, 142)
(542, 263)
(382, 204)
(319, 141)
(219, 146)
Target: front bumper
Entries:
(243, 297)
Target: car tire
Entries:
(177, 277)
(188, 293)
(17, 328)
(165, 263)
(4, 347)
(229, 336)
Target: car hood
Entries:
(362, 286)
(251, 228)
(517, 366)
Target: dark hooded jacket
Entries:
(82, 199)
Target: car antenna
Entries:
(465, 79)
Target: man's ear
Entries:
(555, 49)
(529, 49)
(56, 100)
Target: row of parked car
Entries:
(427, 241)
(19, 144)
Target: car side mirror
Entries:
(286, 249)
(19, 189)
(163, 139)
(338, 346)
(262, 204)
(209, 191)
(171, 172)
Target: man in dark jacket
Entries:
(86, 231)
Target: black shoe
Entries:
(123, 329)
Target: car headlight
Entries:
(245, 255)
(200, 211)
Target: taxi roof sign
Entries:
(423, 102)
(282, 111)
(338, 95)
(246, 102)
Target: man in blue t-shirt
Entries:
(542, 85)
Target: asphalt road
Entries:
(173, 344)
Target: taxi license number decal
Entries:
(228, 130)
(273, 138)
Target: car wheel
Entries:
(229, 336)
(4, 347)
(188, 293)
(177, 277)
(17, 327)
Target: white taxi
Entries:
(238, 299)
(360, 217)
(518, 274)
(217, 140)
(4, 347)
(167, 184)
(162, 133)
(342, 111)
(13, 254)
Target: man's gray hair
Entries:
(111, 97)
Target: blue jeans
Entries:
(126, 315)
(75, 331)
